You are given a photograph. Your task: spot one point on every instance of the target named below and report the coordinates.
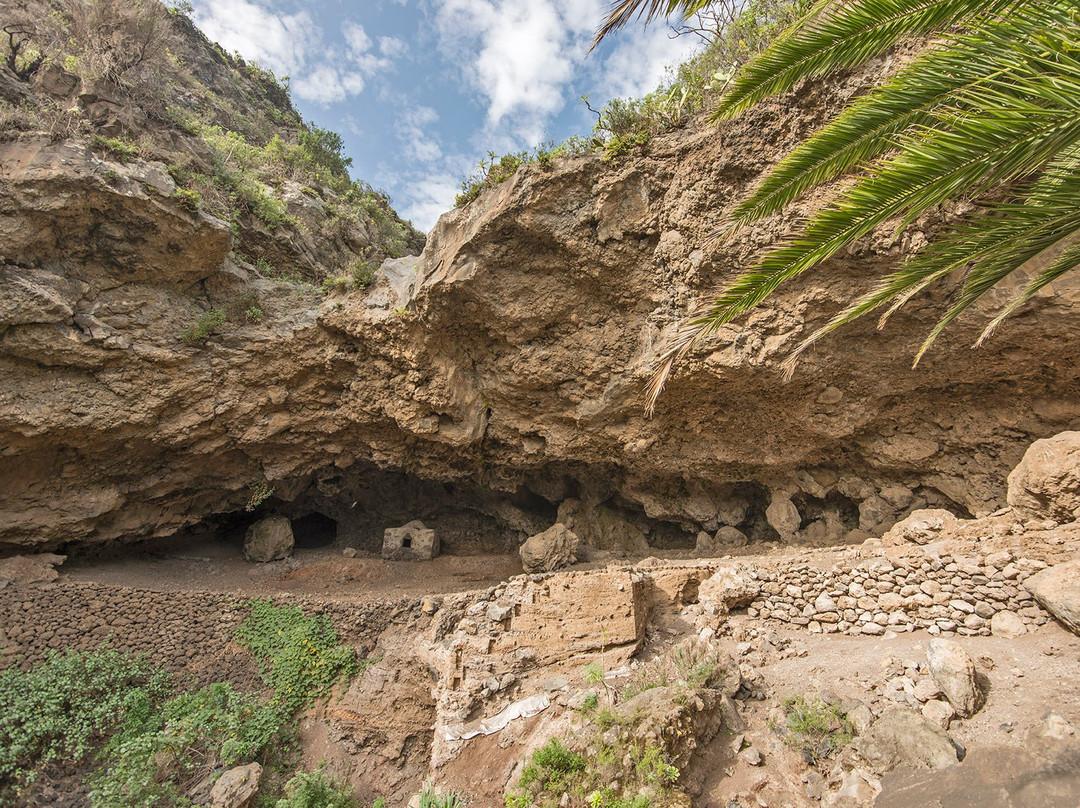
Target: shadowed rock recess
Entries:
(496, 376)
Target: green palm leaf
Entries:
(834, 36)
(994, 113)
(622, 12)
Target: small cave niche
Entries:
(926, 496)
(826, 521)
(314, 530)
(754, 525)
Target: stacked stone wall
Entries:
(187, 632)
(943, 594)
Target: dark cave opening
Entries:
(314, 530)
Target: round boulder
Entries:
(237, 787)
(269, 539)
(1046, 484)
(919, 527)
(554, 548)
(903, 737)
(1055, 588)
(728, 588)
(954, 673)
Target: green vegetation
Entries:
(610, 763)
(259, 494)
(690, 665)
(552, 767)
(188, 200)
(123, 150)
(554, 770)
(316, 790)
(299, 657)
(497, 169)
(148, 745)
(208, 323)
(430, 798)
(157, 753)
(63, 708)
(818, 729)
(244, 308)
(267, 270)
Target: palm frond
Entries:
(994, 113)
(833, 36)
(863, 131)
(621, 12)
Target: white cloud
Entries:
(518, 55)
(521, 59)
(416, 126)
(639, 61)
(326, 84)
(291, 44)
(392, 47)
(278, 41)
(428, 198)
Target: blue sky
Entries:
(422, 89)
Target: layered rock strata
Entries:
(510, 357)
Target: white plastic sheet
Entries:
(526, 708)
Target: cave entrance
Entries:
(314, 530)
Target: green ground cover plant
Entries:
(316, 789)
(817, 729)
(204, 326)
(147, 743)
(62, 709)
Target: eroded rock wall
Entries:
(511, 356)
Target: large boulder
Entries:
(237, 787)
(903, 737)
(31, 569)
(783, 516)
(954, 672)
(713, 545)
(269, 539)
(1008, 625)
(1046, 484)
(728, 588)
(919, 527)
(554, 548)
(602, 527)
(1058, 590)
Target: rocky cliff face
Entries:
(499, 374)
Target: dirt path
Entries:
(219, 567)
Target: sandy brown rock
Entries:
(954, 672)
(919, 527)
(556, 547)
(903, 737)
(729, 587)
(512, 356)
(566, 614)
(1046, 483)
(31, 569)
(236, 788)
(1058, 589)
(269, 539)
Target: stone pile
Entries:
(943, 594)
